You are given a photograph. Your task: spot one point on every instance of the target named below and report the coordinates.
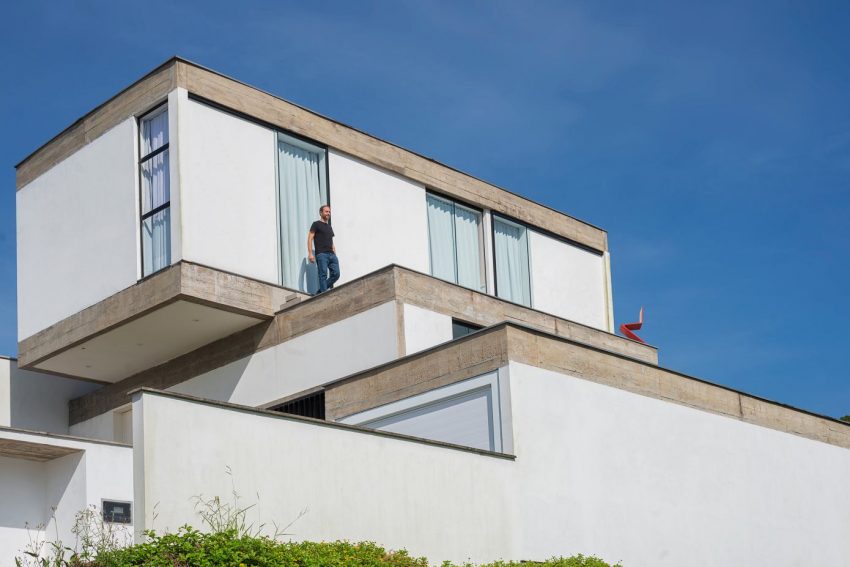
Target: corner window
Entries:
(455, 243)
(513, 272)
(155, 191)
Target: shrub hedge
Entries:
(191, 548)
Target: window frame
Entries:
(303, 143)
(143, 159)
(482, 252)
(496, 217)
(492, 381)
(470, 328)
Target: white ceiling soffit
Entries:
(152, 339)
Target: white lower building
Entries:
(460, 393)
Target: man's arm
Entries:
(310, 235)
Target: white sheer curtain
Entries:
(454, 236)
(441, 238)
(468, 246)
(155, 192)
(156, 241)
(156, 188)
(301, 192)
(154, 132)
(512, 270)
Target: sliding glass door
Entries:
(455, 243)
(513, 274)
(302, 189)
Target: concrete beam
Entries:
(492, 348)
(182, 281)
(392, 283)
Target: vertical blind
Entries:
(302, 189)
(513, 280)
(454, 235)
(155, 193)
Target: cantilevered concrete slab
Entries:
(162, 317)
(389, 284)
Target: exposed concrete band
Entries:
(39, 452)
(182, 281)
(392, 283)
(494, 347)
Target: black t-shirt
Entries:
(323, 237)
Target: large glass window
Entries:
(513, 274)
(302, 189)
(455, 241)
(155, 194)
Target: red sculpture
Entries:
(627, 328)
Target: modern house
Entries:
(460, 393)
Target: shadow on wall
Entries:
(219, 384)
(33, 492)
(308, 277)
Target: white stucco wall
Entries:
(100, 427)
(598, 471)
(424, 328)
(568, 281)
(35, 400)
(49, 494)
(22, 492)
(345, 347)
(649, 482)
(353, 485)
(379, 218)
(227, 191)
(77, 231)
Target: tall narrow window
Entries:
(155, 194)
(513, 279)
(454, 233)
(302, 189)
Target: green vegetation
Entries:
(189, 547)
(845, 418)
(231, 540)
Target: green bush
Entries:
(191, 548)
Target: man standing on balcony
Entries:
(322, 234)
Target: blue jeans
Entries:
(327, 262)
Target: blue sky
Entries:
(711, 140)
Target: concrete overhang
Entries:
(175, 311)
(41, 447)
(495, 347)
(389, 284)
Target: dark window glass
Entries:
(461, 329)
(308, 406)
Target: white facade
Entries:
(80, 221)
(227, 191)
(353, 485)
(516, 463)
(37, 401)
(77, 231)
(379, 218)
(309, 360)
(623, 476)
(568, 281)
(41, 499)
